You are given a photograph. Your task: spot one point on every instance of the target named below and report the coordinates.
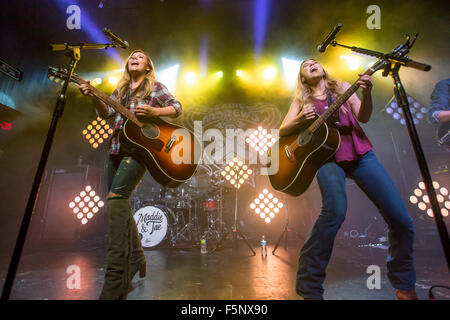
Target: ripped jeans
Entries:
(125, 249)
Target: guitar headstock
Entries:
(59, 75)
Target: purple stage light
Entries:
(261, 14)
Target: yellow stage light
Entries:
(260, 140)
(290, 71)
(421, 199)
(113, 80)
(264, 204)
(239, 73)
(94, 138)
(352, 62)
(190, 78)
(169, 77)
(269, 73)
(97, 81)
(219, 74)
(235, 172)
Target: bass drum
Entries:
(155, 225)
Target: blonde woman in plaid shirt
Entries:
(139, 91)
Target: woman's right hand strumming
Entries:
(296, 117)
(307, 113)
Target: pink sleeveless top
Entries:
(354, 142)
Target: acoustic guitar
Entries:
(169, 152)
(301, 154)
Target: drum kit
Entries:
(174, 217)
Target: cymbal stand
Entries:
(235, 232)
(189, 227)
(216, 225)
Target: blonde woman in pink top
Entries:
(354, 159)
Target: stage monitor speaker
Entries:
(59, 222)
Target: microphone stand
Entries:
(73, 52)
(397, 58)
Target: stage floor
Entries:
(229, 273)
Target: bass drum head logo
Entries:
(152, 225)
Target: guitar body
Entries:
(295, 174)
(162, 147)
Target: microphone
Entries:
(323, 46)
(115, 39)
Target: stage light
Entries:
(169, 77)
(290, 71)
(421, 199)
(260, 19)
(7, 100)
(236, 172)
(352, 62)
(418, 111)
(113, 80)
(239, 73)
(219, 74)
(260, 140)
(97, 81)
(97, 132)
(190, 78)
(85, 210)
(266, 205)
(269, 73)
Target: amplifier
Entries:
(69, 192)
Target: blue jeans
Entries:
(372, 178)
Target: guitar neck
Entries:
(114, 104)
(337, 104)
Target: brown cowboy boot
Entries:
(406, 295)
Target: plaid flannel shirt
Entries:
(159, 98)
(439, 100)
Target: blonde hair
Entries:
(146, 86)
(303, 93)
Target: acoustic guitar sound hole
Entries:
(304, 137)
(150, 130)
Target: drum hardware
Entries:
(190, 227)
(209, 205)
(235, 232)
(215, 223)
